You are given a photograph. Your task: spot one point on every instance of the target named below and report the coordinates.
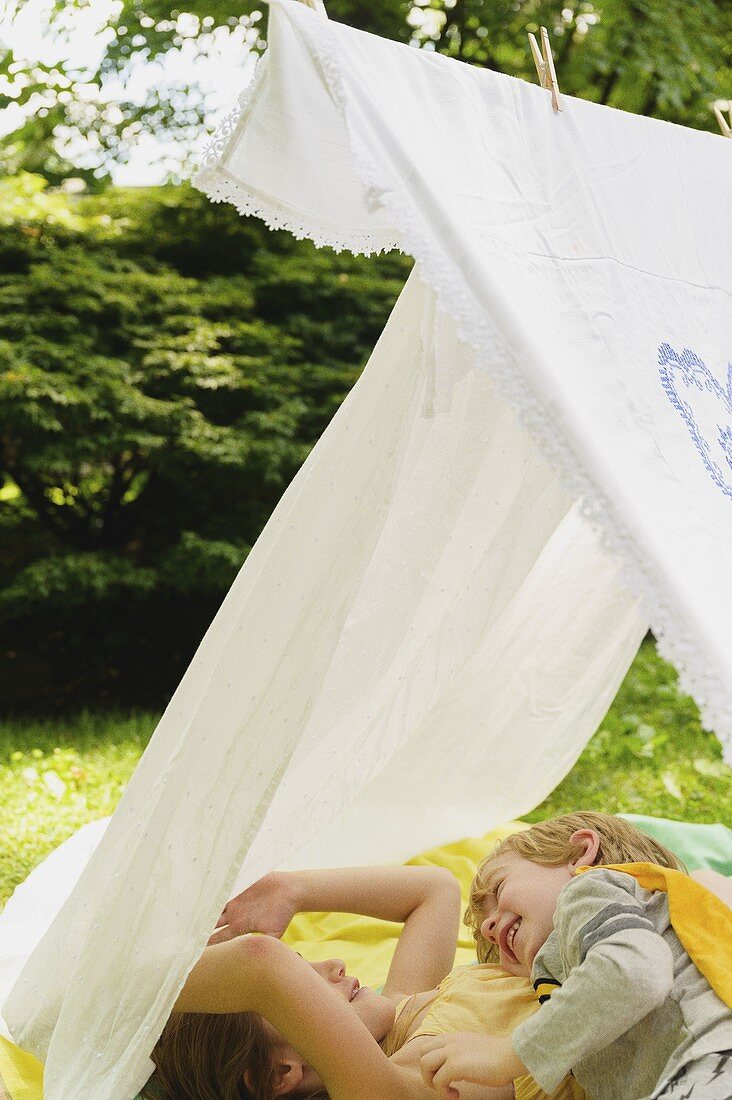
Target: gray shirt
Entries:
(628, 1008)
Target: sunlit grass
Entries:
(650, 756)
(55, 776)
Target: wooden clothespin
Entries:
(719, 109)
(317, 6)
(544, 62)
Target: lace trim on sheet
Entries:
(213, 180)
(675, 640)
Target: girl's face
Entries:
(375, 1011)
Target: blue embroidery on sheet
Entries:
(697, 396)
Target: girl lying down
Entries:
(256, 1021)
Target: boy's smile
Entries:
(519, 910)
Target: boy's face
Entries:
(519, 911)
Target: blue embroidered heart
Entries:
(705, 407)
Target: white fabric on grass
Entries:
(426, 633)
(28, 914)
(400, 639)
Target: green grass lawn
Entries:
(650, 756)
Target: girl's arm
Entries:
(261, 974)
(426, 900)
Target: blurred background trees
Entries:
(165, 365)
(165, 368)
(667, 58)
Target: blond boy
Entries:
(623, 1006)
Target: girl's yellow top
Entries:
(485, 999)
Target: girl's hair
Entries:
(548, 842)
(202, 1056)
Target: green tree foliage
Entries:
(166, 365)
(667, 58)
(663, 58)
(154, 405)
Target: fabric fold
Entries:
(379, 633)
(428, 631)
(586, 256)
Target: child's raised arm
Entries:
(260, 974)
(426, 900)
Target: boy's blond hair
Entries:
(548, 842)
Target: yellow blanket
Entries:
(21, 1075)
(364, 944)
(702, 922)
(699, 918)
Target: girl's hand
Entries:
(466, 1056)
(267, 906)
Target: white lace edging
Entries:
(221, 188)
(676, 642)
(213, 180)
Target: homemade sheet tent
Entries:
(429, 629)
